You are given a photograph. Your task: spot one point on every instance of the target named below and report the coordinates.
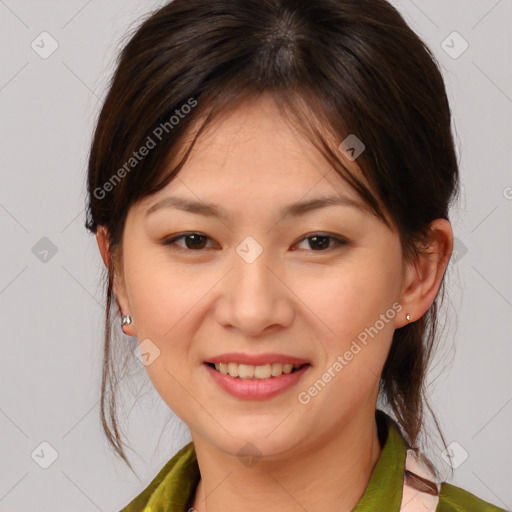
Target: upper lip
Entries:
(256, 359)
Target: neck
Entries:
(339, 467)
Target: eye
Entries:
(320, 241)
(193, 242)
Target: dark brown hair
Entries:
(335, 67)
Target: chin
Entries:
(266, 439)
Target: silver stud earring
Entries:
(126, 320)
(408, 317)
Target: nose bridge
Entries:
(256, 298)
(253, 278)
(253, 284)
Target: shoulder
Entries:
(179, 474)
(455, 499)
(436, 496)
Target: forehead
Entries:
(254, 153)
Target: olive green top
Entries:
(173, 488)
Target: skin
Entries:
(292, 299)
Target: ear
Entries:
(423, 277)
(119, 288)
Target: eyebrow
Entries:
(293, 210)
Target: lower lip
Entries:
(256, 389)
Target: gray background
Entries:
(51, 303)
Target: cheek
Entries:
(168, 302)
(163, 302)
(348, 300)
(161, 294)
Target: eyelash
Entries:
(170, 242)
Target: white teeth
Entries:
(263, 372)
(233, 369)
(277, 369)
(287, 368)
(245, 371)
(249, 371)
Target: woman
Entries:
(269, 184)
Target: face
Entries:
(322, 285)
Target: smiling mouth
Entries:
(261, 372)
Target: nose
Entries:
(256, 299)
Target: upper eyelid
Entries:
(307, 235)
(341, 240)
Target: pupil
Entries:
(196, 238)
(325, 240)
